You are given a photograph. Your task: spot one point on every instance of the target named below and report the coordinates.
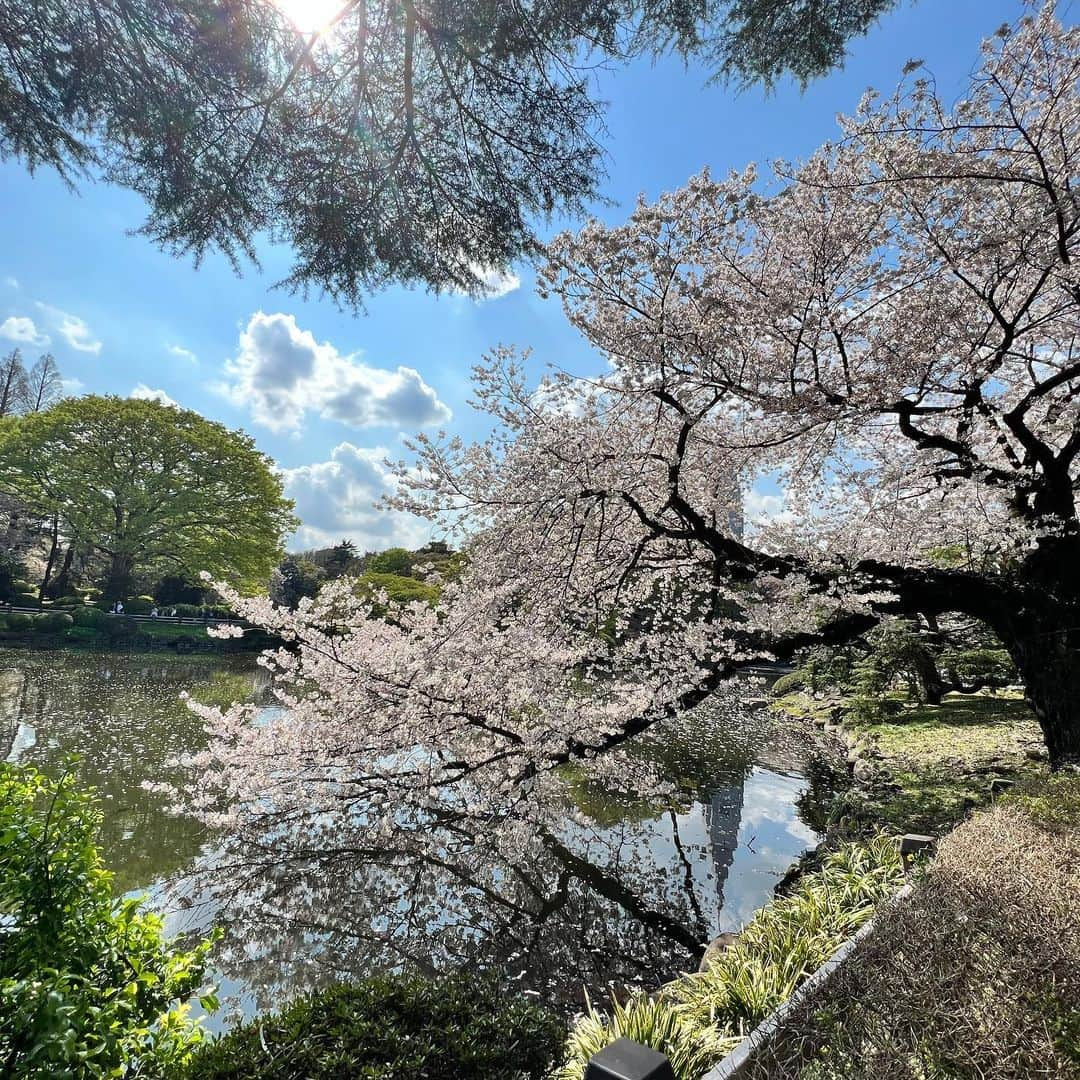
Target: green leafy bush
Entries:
(120, 628)
(3, 622)
(138, 605)
(52, 622)
(11, 576)
(789, 683)
(391, 1028)
(25, 599)
(89, 985)
(91, 617)
(398, 589)
(19, 622)
(396, 561)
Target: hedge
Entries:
(391, 1028)
(90, 616)
(138, 605)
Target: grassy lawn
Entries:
(972, 729)
(171, 631)
(926, 767)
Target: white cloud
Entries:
(184, 354)
(335, 500)
(760, 507)
(11, 282)
(496, 283)
(281, 372)
(142, 392)
(493, 283)
(22, 329)
(72, 329)
(73, 387)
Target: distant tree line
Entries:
(401, 573)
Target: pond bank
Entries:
(976, 969)
(138, 637)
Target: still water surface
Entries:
(627, 889)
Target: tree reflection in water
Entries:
(613, 887)
(606, 886)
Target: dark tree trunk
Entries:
(62, 581)
(1048, 659)
(54, 546)
(1045, 642)
(931, 687)
(118, 583)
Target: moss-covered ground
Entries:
(922, 768)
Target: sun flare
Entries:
(309, 16)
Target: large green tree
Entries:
(410, 140)
(149, 485)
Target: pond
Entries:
(623, 890)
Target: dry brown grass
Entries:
(976, 974)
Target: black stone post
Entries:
(627, 1060)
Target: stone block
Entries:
(627, 1060)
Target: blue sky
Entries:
(122, 316)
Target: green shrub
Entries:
(120, 628)
(398, 590)
(786, 684)
(52, 622)
(25, 599)
(138, 605)
(197, 611)
(89, 985)
(393, 561)
(18, 622)
(391, 1028)
(90, 616)
(871, 709)
(12, 571)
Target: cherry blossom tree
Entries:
(894, 332)
(889, 328)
